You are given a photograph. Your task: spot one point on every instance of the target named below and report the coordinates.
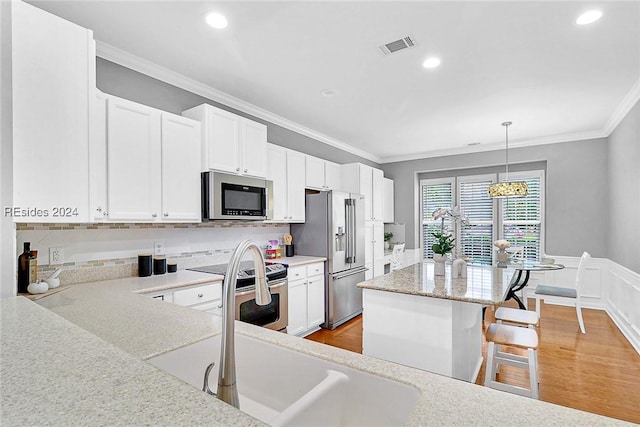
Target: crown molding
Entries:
(133, 62)
(623, 108)
(578, 136)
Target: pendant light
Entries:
(506, 188)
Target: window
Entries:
(522, 217)
(436, 193)
(518, 220)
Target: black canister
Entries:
(172, 267)
(288, 250)
(144, 265)
(159, 265)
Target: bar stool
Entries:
(513, 336)
(517, 317)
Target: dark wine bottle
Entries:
(27, 268)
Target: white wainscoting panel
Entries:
(623, 302)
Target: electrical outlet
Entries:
(56, 255)
(158, 248)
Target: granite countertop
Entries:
(483, 285)
(82, 362)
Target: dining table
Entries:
(521, 276)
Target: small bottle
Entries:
(27, 268)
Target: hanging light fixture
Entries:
(506, 188)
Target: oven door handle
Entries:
(278, 285)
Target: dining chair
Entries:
(569, 295)
(397, 256)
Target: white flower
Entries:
(502, 244)
(440, 213)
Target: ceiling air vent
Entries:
(398, 45)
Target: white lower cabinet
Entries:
(306, 298)
(206, 297)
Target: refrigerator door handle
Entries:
(348, 273)
(350, 223)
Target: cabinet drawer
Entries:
(315, 269)
(198, 295)
(296, 273)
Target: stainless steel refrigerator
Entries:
(334, 228)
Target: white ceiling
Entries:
(527, 62)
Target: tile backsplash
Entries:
(94, 252)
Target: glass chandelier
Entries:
(506, 188)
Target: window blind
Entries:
(522, 219)
(434, 196)
(476, 238)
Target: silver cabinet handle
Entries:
(246, 170)
(154, 215)
(237, 169)
(166, 214)
(200, 295)
(99, 209)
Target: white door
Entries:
(332, 176)
(53, 83)
(366, 181)
(277, 173)
(98, 160)
(254, 148)
(315, 301)
(297, 307)
(378, 248)
(295, 185)
(180, 168)
(133, 161)
(387, 201)
(377, 194)
(223, 139)
(314, 172)
(368, 245)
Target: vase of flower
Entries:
(439, 260)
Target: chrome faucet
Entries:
(227, 388)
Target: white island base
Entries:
(443, 336)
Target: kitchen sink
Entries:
(282, 387)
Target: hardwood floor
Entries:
(597, 372)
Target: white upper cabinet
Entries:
(231, 143)
(133, 161)
(146, 166)
(53, 73)
(286, 168)
(368, 181)
(322, 174)
(181, 139)
(387, 201)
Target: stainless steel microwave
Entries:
(230, 197)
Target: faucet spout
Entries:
(227, 387)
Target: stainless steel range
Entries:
(273, 315)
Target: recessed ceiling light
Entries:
(431, 62)
(589, 17)
(216, 20)
(329, 92)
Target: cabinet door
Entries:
(332, 176)
(53, 84)
(378, 248)
(133, 161)
(377, 194)
(297, 307)
(180, 168)
(366, 181)
(368, 241)
(253, 148)
(223, 140)
(314, 173)
(387, 201)
(315, 301)
(277, 173)
(98, 160)
(295, 185)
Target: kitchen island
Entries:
(434, 323)
(78, 357)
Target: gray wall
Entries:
(576, 182)
(621, 215)
(126, 83)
